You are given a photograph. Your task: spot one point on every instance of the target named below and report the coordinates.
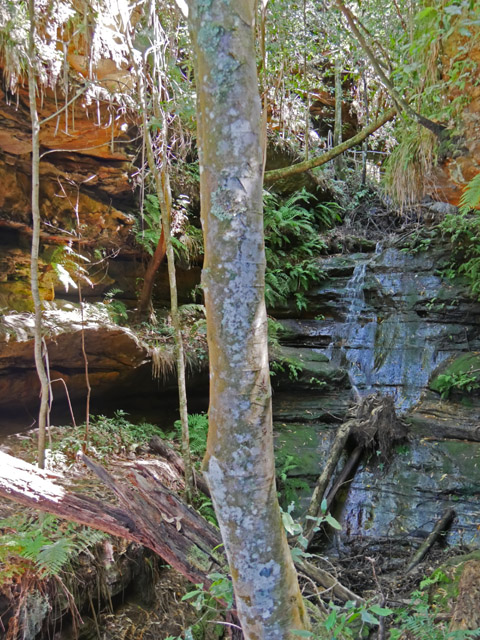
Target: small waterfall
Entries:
(352, 347)
(389, 348)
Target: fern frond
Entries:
(51, 558)
(471, 195)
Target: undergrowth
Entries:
(107, 437)
(463, 233)
(37, 562)
(292, 245)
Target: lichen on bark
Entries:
(239, 465)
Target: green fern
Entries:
(471, 195)
(292, 246)
(419, 620)
(198, 430)
(45, 545)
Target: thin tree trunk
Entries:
(37, 303)
(239, 463)
(145, 297)
(367, 120)
(162, 187)
(300, 167)
(337, 132)
(165, 207)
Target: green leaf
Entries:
(368, 618)
(333, 522)
(425, 13)
(331, 621)
(381, 611)
(301, 633)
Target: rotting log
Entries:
(441, 525)
(160, 447)
(150, 515)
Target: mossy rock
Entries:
(307, 368)
(448, 578)
(449, 377)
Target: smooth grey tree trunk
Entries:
(239, 464)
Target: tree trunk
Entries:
(164, 195)
(239, 463)
(37, 303)
(337, 132)
(153, 266)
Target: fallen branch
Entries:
(353, 460)
(441, 525)
(328, 582)
(314, 508)
(374, 424)
(306, 165)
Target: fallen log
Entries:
(159, 446)
(314, 508)
(441, 525)
(150, 515)
(345, 473)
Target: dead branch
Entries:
(441, 525)
(324, 478)
(157, 445)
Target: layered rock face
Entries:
(386, 322)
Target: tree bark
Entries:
(337, 132)
(153, 266)
(239, 463)
(157, 445)
(300, 167)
